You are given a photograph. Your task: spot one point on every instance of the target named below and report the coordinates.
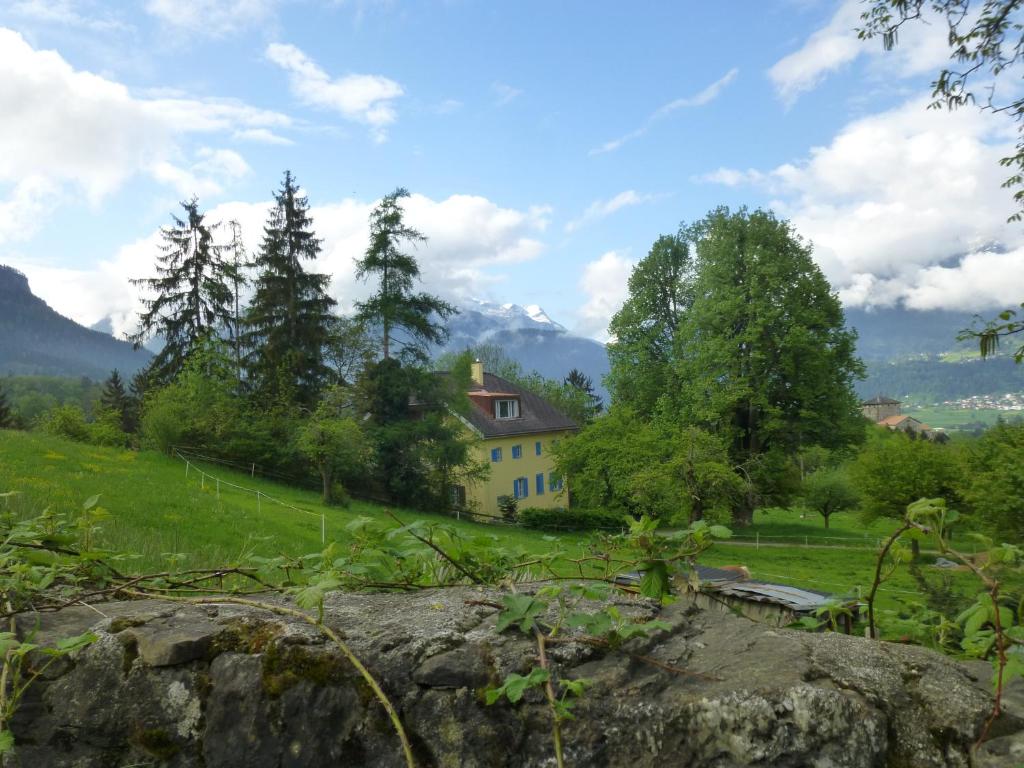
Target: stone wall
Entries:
(219, 686)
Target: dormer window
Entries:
(506, 409)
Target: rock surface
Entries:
(224, 685)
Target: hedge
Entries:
(573, 519)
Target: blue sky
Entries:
(546, 145)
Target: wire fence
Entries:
(216, 483)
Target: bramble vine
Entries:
(988, 629)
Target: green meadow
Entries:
(161, 512)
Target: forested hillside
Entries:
(36, 340)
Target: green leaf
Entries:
(520, 610)
(91, 502)
(720, 532)
(6, 741)
(655, 580)
(595, 624)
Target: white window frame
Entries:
(513, 409)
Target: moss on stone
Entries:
(121, 623)
(244, 635)
(286, 665)
(156, 742)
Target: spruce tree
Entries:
(584, 386)
(190, 297)
(115, 398)
(394, 306)
(288, 321)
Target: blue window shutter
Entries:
(517, 451)
(540, 483)
(495, 454)
(526, 486)
(537, 447)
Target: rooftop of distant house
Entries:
(879, 400)
(501, 408)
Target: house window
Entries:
(495, 454)
(540, 483)
(506, 409)
(536, 447)
(521, 488)
(517, 451)
(555, 483)
(457, 496)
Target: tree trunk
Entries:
(826, 521)
(325, 474)
(743, 513)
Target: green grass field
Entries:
(158, 510)
(953, 419)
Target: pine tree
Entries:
(7, 420)
(191, 296)
(394, 306)
(114, 398)
(579, 381)
(288, 321)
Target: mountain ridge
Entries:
(35, 339)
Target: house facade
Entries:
(516, 431)
(880, 408)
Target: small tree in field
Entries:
(333, 442)
(828, 491)
(6, 416)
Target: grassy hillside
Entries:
(157, 511)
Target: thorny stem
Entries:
(992, 586)
(878, 576)
(549, 692)
(455, 563)
(282, 610)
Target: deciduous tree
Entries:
(644, 330)
(763, 357)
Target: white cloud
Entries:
(21, 215)
(470, 239)
(922, 48)
(605, 283)
(67, 13)
(901, 205)
(206, 176)
(262, 136)
(704, 97)
(212, 18)
(600, 209)
(79, 131)
(505, 94)
(361, 98)
(448, 106)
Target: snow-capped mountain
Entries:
(530, 337)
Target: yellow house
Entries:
(516, 430)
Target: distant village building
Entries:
(879, 408)
(885, 412)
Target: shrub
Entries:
(66, 421)
(572, 519)
(508, 506)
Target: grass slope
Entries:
(157, 510)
